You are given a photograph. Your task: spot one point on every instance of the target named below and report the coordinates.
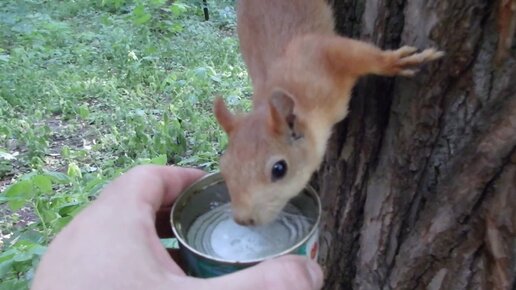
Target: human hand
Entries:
(113, 244)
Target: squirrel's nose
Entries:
(245, 221)
(243, 214)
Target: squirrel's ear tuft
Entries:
(225, 118)
(282, 119)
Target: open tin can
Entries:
(210, 193)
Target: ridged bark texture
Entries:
(419, 182)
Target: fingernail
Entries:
(316, 274)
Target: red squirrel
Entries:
(302, 74)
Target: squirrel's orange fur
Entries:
(302, 75)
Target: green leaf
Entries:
(37, 250)
(65, 151)
(61, 223)
(16, 203)
(5, 267)
(176, 27)
(140, 15)
(74, 171)
(29, 175)
(18, 194)
(43, 183)
(115, 3)
(57, 177)
(157, 2)
(14, 284)
(69, 208)
(84, 112)
(32, 236)
(94, 186)
(46, 212)
(160, 160)
(23, 257)
(178, 9)
(8, 255)
(189, 161)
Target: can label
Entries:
(205, 268)
(310, 249)
(312, 246)
(208, 269)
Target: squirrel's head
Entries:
(267, 159)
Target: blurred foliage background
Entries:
(91, 88)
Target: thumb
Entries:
(284, 273)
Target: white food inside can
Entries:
(215, 233)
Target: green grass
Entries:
(91, 88)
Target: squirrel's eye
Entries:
(279, 169)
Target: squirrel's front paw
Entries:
(404, 60)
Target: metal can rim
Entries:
(183, 243)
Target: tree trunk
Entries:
(419, 182)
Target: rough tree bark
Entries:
(419, 182)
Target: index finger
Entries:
(157, 186)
